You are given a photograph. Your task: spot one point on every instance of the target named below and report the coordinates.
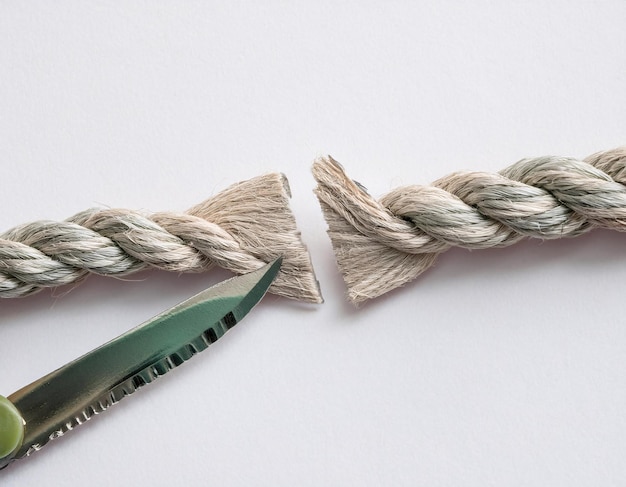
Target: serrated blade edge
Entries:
(73, 394)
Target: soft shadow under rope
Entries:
(381, 245)
(239, 229)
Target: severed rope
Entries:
(382, 244)
(239, 229)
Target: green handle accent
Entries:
(11, 430)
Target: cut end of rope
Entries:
(257, 215)
(240, 229)
(380, 245)
(369, 267)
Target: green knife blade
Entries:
(69, 396)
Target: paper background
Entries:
(499, 367)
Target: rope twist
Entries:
(401, 235)
(239, 229)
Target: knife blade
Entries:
(62, 400)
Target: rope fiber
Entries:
(239, 229)
(381, 245)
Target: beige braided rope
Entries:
(239, 229)
(381, 245)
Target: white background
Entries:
(497, 367)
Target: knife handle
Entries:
(11, 431)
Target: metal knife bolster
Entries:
(71, 395)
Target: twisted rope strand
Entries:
(239, 229)
(401, 235)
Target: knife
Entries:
(62, 400)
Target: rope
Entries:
(239, 229)
(381, 245)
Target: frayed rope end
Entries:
(369, 268)
(256, 213)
